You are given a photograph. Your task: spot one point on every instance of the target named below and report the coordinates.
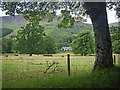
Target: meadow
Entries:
(38, 71)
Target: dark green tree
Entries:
(115, 36)
(83, 43)
(30, 39)
(7, 45)
(50, 45)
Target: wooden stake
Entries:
(68, 64)
(114, 61)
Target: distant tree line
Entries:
(32, 40)
(65, 41)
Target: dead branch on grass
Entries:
(55, 69)
(49, 67)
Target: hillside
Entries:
(13, 22)
(5, 31)
(16, 22)
(50, 28)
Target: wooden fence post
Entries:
(68, 64)
(114, 60)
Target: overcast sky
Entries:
(111, 16)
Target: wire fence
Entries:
(54, 64)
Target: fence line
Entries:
(66, 64)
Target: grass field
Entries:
(25, 71)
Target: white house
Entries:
(66, 48)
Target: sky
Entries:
(111, 16)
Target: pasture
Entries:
(40, 71)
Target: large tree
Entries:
(30, 39)
(83, 43)
(36, 11)
(98, 15)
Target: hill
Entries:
(16, 22)
(5, 31)
(13, 23)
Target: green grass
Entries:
(18, 72)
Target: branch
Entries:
(49, 67)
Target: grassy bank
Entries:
(107, 78)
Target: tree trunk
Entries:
(98, 15)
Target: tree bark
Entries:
(98, 15)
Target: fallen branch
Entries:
(49, 67)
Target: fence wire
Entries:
(37, 65)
